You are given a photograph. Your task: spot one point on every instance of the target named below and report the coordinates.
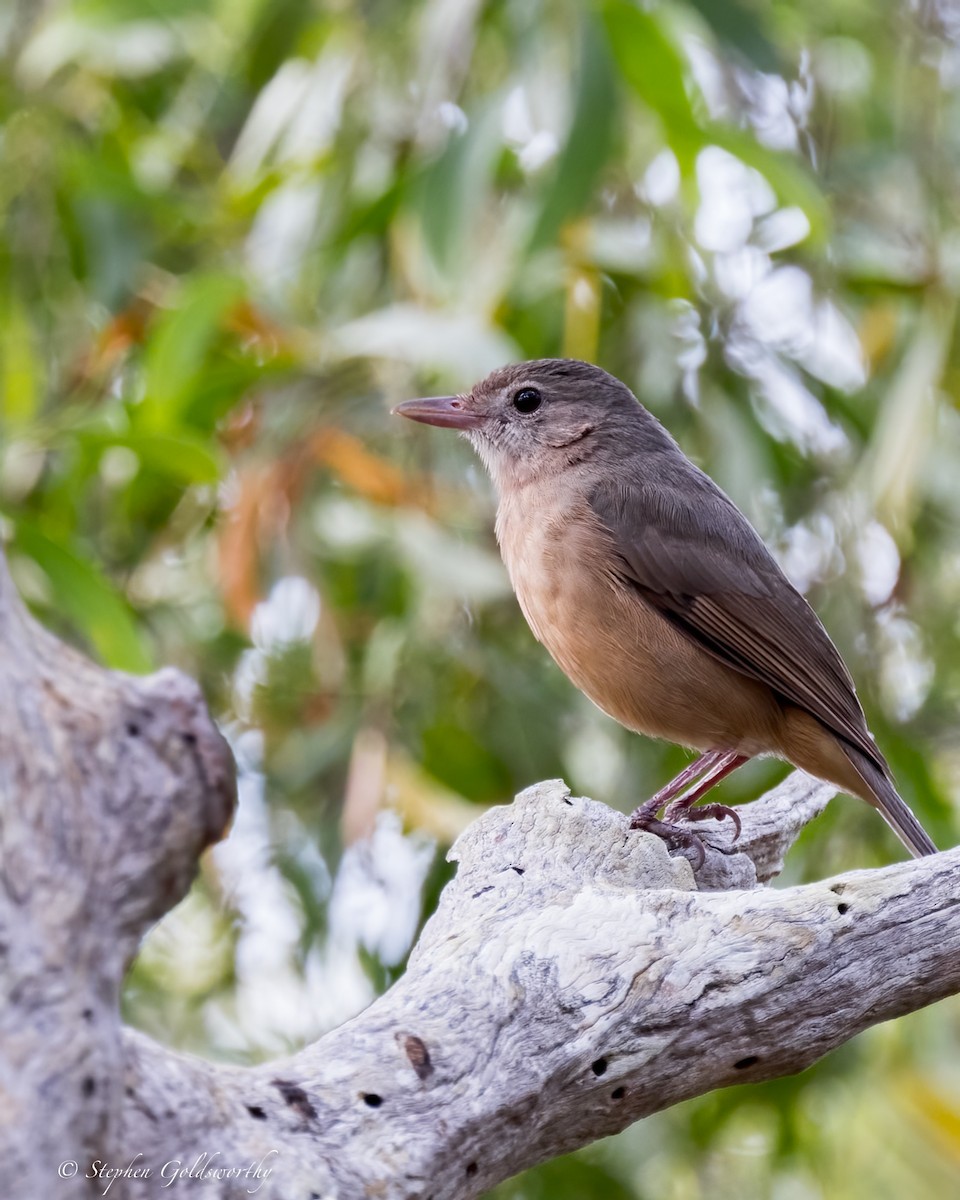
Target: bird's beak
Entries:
(450, 412)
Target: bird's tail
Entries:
(897, 815)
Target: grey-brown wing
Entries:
(690, 552)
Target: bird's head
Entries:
(537, 418)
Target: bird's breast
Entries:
(538, 541)
(617, 648)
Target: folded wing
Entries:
(689, 551)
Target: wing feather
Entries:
(690, 552)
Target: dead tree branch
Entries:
(574, 978)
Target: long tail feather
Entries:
(897, 815)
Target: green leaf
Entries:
(460, 761)
(453, 188)
(21, 372)
(655, 69)
(122, 12)
(180, 343)
(179, 456)
(575, 1175)
(372, 217)
(588, 142)
(86, 598)
(740, 27)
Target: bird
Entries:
(656, 596)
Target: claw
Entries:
(675, 837)
(704, 812)
(711, 767)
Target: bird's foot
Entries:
(712, 766)
(703, 812)
(675, 836)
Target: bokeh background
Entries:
(235, 232)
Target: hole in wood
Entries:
(419, 1055)
(746, 1062)
(843, 908)
(471, 1168)
(295, 1096)
(618, 1093)
(372, 1100)
(256, 1112)
(599, 1067)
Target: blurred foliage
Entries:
(234, 234)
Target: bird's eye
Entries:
(527, 400)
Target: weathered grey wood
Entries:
(110, 787)
(574, 978)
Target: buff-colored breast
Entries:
(632, 663)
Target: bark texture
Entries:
(574, 978)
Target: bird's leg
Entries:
(670, 791)
(683, 808)
(712, 766)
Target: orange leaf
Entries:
(259, 513)
(363, 471)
